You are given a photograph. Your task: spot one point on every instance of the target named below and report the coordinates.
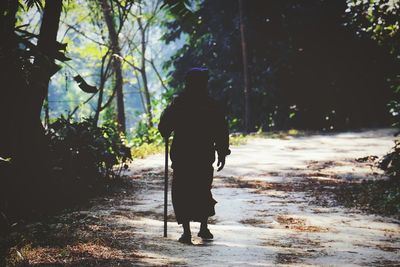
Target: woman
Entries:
(200, 129)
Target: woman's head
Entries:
(196, 81)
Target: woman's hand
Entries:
(221, 163)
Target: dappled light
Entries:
(199, 133)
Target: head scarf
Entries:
(196, 82)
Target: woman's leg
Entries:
(187, 235)
(204, 224)
(204, 231)
(186, 228)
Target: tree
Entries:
(116, 51)
(379, 20)
(246, 82)
(26, 67)
(304, 74)
(143, 45)
(135, 50)
(47, 41)
(145, 15)
(27, 82)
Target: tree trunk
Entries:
(247, 116)
(99, 103)
(116, 50)
(35, 147)
(48, 46)
(10, 76)
(30, 149)
(143, 73)
(146, 93)
(46, 111)
(103, 78)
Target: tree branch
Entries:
(157, 73)
(83, 34)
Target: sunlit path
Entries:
(279, 225)
(278, 205)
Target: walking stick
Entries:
(166, 187)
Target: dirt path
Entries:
(264, 219)
(267, 212)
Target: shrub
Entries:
(85, 152)
(391, 162)
(81, 161)
(144, 134)
(146, 140)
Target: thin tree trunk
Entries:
(103, 79)
(247, 116)
(158, 75)
(46, 111)
(116, 50)
(140, 90)
(143, 72)
(99, 102)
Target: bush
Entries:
(86, 152)
(81, 160)
(146, 141)
(391, 162)
(144, 134)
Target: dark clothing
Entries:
(200, 129)
(191, 194)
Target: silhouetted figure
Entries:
(200, 130)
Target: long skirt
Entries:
(191, 194)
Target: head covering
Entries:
(196, 81)
(196, 74)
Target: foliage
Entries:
(380, 197)
(144, 134)
(303, 74)
(379, 20)
(145, 150)
(82, 161)
(37, 3)
(390, 163)
(83, 151)
(238, 139)
(146, 140)
(394, 109)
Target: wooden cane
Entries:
(166, 187)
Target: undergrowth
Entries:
(148, 142)
(376, 196)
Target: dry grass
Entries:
(94, 252)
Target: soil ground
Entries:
(275, 208)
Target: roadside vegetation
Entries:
(84, 82)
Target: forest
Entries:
(84, 83)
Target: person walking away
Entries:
(200, 129)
